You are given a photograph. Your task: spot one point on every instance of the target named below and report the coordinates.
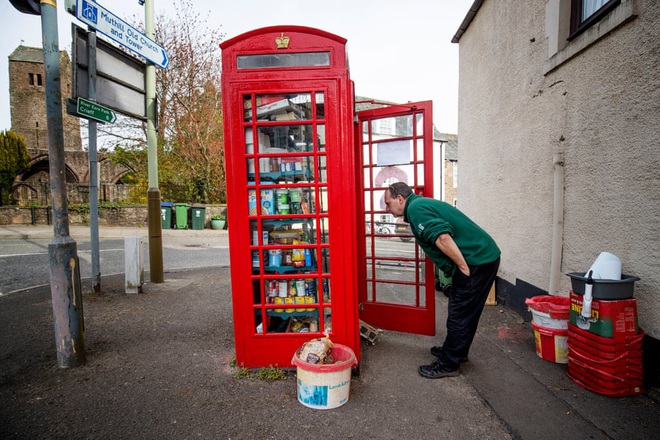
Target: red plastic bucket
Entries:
(608, 366)
(603, 387)
(601, 343)
(549, 311)
(325, 386)
(551, 344)
(621, 371)
(606, 359)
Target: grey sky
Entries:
(398, 50)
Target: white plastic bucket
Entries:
(545, 320)
(325, 386)
(549, 311)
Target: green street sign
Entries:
(92, 110)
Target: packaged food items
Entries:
(316, 351)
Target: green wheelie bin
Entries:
(198, 216)
(181, 213)
(166, 214)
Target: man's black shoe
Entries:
(438, 352)
(437, 370)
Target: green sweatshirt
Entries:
(429, 218)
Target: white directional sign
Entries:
(123, 33)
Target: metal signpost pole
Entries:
(93, 166)
(115, 28)
(153, 194)
(65, 283)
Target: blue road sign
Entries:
(118, 30)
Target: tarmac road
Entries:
(24, 263)
(159, 366)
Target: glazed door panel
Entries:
(396, 289)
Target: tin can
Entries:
(326, 290)
(295, 195)
(255, 237)
(299, 300)
(275, 257)
(255, 259)
(300, 287)
(310, 287)
(283, 291)
(279, 300)
(309, 300)
(288, 300)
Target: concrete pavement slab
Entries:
(159, 366)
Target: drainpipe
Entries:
(557, 222)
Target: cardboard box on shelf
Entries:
(267, 201)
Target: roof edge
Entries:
(467, 20)
(280, 28)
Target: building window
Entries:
(572, 26)
(585, 13)
(35, 79)
(386, 126)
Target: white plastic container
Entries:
(549, 311)
(545, 320)
(606, 267)
(325, 386)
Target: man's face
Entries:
(395, 205)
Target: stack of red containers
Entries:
(605, 350)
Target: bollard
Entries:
(133, 264)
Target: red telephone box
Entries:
(291, 191)
(311, 243)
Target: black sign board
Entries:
(120, 80)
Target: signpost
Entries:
(92, 110)
(115, 28)
(113, 82)
(120, 76)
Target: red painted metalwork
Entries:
(396, 280)
(288, 127)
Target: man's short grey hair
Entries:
(399, 189)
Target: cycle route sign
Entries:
(104, 21)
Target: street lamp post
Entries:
(65, 285)
(153, 194)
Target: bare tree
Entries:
(191, 164)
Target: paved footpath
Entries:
(159, 366)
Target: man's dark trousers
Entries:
(466, 302)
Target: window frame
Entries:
(558, 28)
(578, 26)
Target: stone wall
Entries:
(28, 96)
(115, 216)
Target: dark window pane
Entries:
(311, 59)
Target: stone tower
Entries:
(27, 98)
